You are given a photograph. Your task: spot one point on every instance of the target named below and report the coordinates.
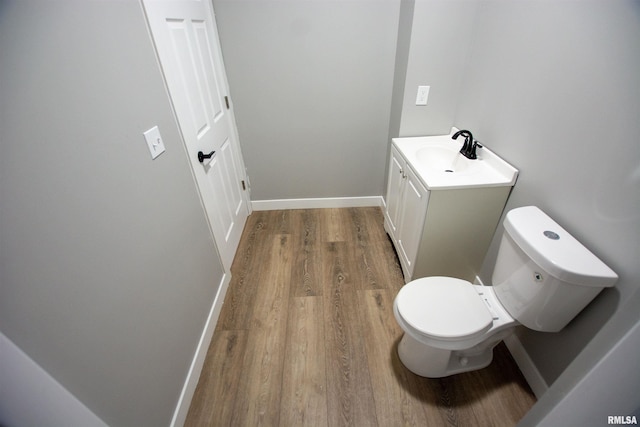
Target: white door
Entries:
(186, 40)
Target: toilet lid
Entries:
(444, 308)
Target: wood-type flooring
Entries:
(307, 337)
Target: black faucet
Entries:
(469, 147)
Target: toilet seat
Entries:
(443, 309)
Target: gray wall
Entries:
(311, 84)
(553, 87)
(403, 43)
(439, 45)
(602, 381)
(107, 267)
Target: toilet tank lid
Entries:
(555, 250)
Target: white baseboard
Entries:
(313, 203)
(180, 414)
(538, 385)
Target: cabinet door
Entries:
(394, 190)
(412, 214)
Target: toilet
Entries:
(542, 279)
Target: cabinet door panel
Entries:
(394, 190)
(412, 215)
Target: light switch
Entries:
(423, 95)
(154, 141)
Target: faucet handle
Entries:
(472, 150)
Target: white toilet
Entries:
(542, 279)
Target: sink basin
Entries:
(444, 159)
(439, 165)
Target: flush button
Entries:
(551, 235)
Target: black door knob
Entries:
(202, 156)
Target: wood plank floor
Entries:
(307, 337)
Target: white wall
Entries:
(107, 266)
(311, 84)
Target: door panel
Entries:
(414, 207)
(394, 191)
(185, 37)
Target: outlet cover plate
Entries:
(423, 95)
(154, 142)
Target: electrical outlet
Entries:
(423, 95)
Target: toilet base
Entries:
(432, 362)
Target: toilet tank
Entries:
(543, 276)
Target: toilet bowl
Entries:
(450, 325)
(543, 278)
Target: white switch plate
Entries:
(154, 141)
(423, 95)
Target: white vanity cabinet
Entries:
(440, 230)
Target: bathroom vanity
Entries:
(442, 209)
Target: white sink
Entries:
(444, 159)
(439, 164)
